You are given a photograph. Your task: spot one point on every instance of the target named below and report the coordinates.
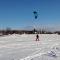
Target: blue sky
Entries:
(19, 13)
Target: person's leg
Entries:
(36, 39)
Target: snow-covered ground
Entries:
(24, 47)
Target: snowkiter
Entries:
(37, 37)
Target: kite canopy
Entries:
(35, 14)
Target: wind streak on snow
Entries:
(33, 56)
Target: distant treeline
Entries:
(34, 31)
(6, 32)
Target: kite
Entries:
(35, 14)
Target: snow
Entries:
(24, 47)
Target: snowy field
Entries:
(24, 47)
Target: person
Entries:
(37, 37)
